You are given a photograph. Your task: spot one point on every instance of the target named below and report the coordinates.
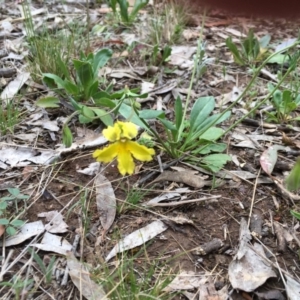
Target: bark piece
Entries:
(209, 247)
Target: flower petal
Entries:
(129, 130)
(140, 152)
(107, 154)
(112, 133)
(125, 161)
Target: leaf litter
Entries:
(203, 222)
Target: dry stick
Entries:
(164, 167)
(5, 262)
(253, 196)
(184, 202)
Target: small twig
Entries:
(153, 173)
(183, 202)
(253, 197)
(5, 263)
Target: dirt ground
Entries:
(214, 225)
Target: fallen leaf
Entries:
(186, 280)
(54, 243)
(92, 170)
(269, 158)
(248, 270)
(137, 238)
(164, 197)
(27, 231)
(81, 278)
(182, 56)
(106, 201)
(188, 177)
(292, 288)
(13, 87)
(56, 221)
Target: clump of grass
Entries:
(168, 26)
(128, 281)
(9, 117)
(51, 51)
(134, 196)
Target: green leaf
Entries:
(235, 52)
(215, 162)
(138, 5)
(75, 104)
(129, 114)
(100, 60)
(4, 221)
(166, 53)
(104, 116)
(106, 102)
(295, 214)
(38, 260)
(212, 134)
(178, 112)
(124, 10)
(219, 147)
(17, 223)
(63, 67)
(293, 180)
(10, 230)
(113, 5)
(169, 125)
(278, 59)
(297, 100)
(93, 89)
(47, 102)
(68, 86)
(151, 114)
(264, 41)
(88, 112)
(277, 98)
(14, 191)
(85, 74)
(8, 198)
(3, 205)
(67, 136)
(200, 111)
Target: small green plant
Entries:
(9, 117)
(124, 13)
(50, 52)
(252, 50)
(196, 135)
(284, 103)
(46, 270)
(126, 282)
(11, 225)
(85, 83)
(18, 286)
(167, 26)
(134, 196)
(15, 196)
(160, 56)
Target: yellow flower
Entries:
(122, 147)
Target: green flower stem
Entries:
(260, 103)
(169, 151)
(196, 61)
(247, 89)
